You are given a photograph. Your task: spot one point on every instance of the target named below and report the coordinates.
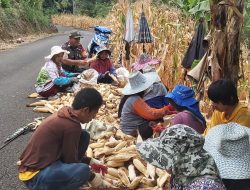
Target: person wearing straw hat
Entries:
(51, 78)
(103, 65)
(155, 94)
(229, 145)
(179, 151)
(143, 61)
(182, 99)
(77, 57)
(135, 115)
(226, 105)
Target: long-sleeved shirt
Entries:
(50, 72)
(102, 66)
(189, 119)
(136, 112)
(240, 115)
(57, 138)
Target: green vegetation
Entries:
(22, 17)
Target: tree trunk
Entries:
(225, 47)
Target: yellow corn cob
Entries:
(89, 152)
(131, 172)
(159, 172)
(148, 182)
(120, 145)
(96, 145)
(151, 170)
(112, 144)
(106, 135)
(139, 166)
(40, 103)
(162, 180)
(41, 109)
(113, 172)
(120, 157)
(33, 95)
(130, 149)
(116, 182)
(135, 182)
(123, 177)
(114, 164)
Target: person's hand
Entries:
(74, 79)
(99, 168)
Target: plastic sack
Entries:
(89, 76)
(122, 76)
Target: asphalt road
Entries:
(18, 71)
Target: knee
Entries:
(83, 173)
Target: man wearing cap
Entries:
(77, 54)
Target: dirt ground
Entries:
(9, 44)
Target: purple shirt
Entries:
(187, 118)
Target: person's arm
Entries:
(58, 80)
(68, 61)
(148, 113)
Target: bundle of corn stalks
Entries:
(125, 167)
(107, 113)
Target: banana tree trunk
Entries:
(226, 27)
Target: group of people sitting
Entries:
(66, 62)
(199, 155)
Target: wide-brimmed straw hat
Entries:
(143, 61)
(229, 146)
(54, 51)
(138, 82)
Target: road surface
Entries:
(18, 71)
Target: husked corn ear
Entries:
(162, 180)
(120, 145)
(131, 172)
(41, 109)
(115, 182)
(33, 95)
(113, 172)
(151, 170)
(40, 103)
(106, 135)
(123, 177)
(120, 157)
(130, 149)
(159, 172)
(135, 182)
(96, 145)
(148, 182)
(107, 184)
(114, 164)
(139, 166)
(89, 152)
(105, 150)
(112, 143)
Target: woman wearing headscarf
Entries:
(179, 151)
(182, 99)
